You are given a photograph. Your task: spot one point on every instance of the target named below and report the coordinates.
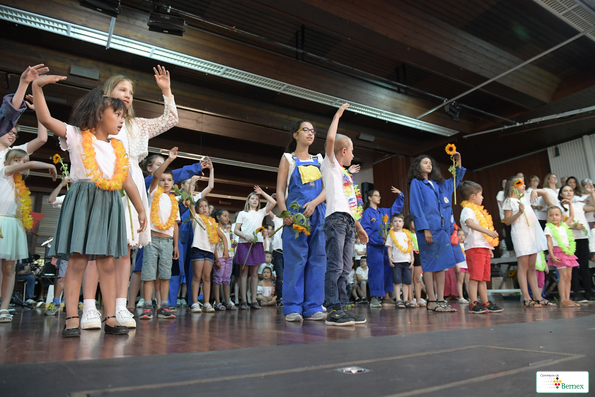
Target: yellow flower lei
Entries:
(92, 169)
(409, 248)
(23, 193)
(484, 219)
(211, 228)
(155, 221)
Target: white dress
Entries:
(136, 144)
(527, 239)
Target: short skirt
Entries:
(13, 244)
(91, 223)
(565, 260)
(254, 258)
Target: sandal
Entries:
(255, 306)
(230, 306)
(244, 306)
(400, 305)
(545, 302)
(446, 306)
(71, 332)
(531, 303)
(410, 305)
(5, 316)
(438, 308)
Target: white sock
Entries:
(120, 304)
(89, 304)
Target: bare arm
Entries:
(471, 224)
(41, 107)
(329, 145)
(30, 165)
(57, 190)
(509, 218)
(132, 192)
(176, 234)
(211, 184)
(282, 183)
(390, 255)
(173, 153)
(30, 74)
(225, 244)
(271, 201)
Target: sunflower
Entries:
(519, 183)
(56, 158)
(260, 229)
(450, 149)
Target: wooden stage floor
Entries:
(35, 338)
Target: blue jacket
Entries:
(180, 174)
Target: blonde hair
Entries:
(14, 154)
(108, 88)
(341, 142)
(546, 180)
(247, 205)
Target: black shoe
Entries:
(476, 308)
(365, 301)
(338, 318)
(116, 329)
(71, 332)
(357, 319)
(580, 298)
(493, 308)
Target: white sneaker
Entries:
(463, 300)
(91, 319)
(294, 318)
(324, 309)
(196, 308)
(318, 316)
(140, 303)
(208, 308)
(31, 302)
(125, 318)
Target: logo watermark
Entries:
(562, 382)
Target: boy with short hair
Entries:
(343, 212)
(480, 239)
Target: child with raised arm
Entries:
(91, 223)
(342, 221)
(222, 272)
(163, 248)
(561, 246)
(400, 253)
(12, 104)
(15, 216)
(250, 252)
(480, 240)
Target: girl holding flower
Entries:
(375, 221)
(15, 217)
(250, 250)
(526, 233)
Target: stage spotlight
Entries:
(453, 109)
(166, 22)
(107, 7)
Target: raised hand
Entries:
(162, 78)
(173, 153)
(258, 190)
(395, 190)
(53, 172)
(33, 72)
(29, 101)
(47, 79)
(341, 110)
(354, 169)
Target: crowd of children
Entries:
(302, 262)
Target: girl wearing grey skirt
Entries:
(91, 225)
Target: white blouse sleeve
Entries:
(150, 128)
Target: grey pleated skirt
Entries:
(91, 223)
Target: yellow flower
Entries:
(451, 149)
(385, 219)
(57, 158)
(260, 229)
(519, 182)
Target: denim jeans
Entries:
(279, 267)
(339, 228)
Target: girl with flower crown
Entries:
(91, 223)
(561, 246)
(250, 250)
(527, 236)
(380, 277)
(163, 249)
(204, 253)
(15, 217)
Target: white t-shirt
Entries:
(332, 177)
(58, 202)
(201, 237)
(8, 203)
(351, 277)
(268, 244)
(104, 154)
(499, 199)
(473, 238)
(221, 247)
(278, 237)
(397, 255)
(363, 273)
(579, 215)
(586, 198)
(561, 231)
(553, 195)
(250, 222)
(165, 210)
(358, 247)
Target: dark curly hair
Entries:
(88, 110)
(415, 171)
